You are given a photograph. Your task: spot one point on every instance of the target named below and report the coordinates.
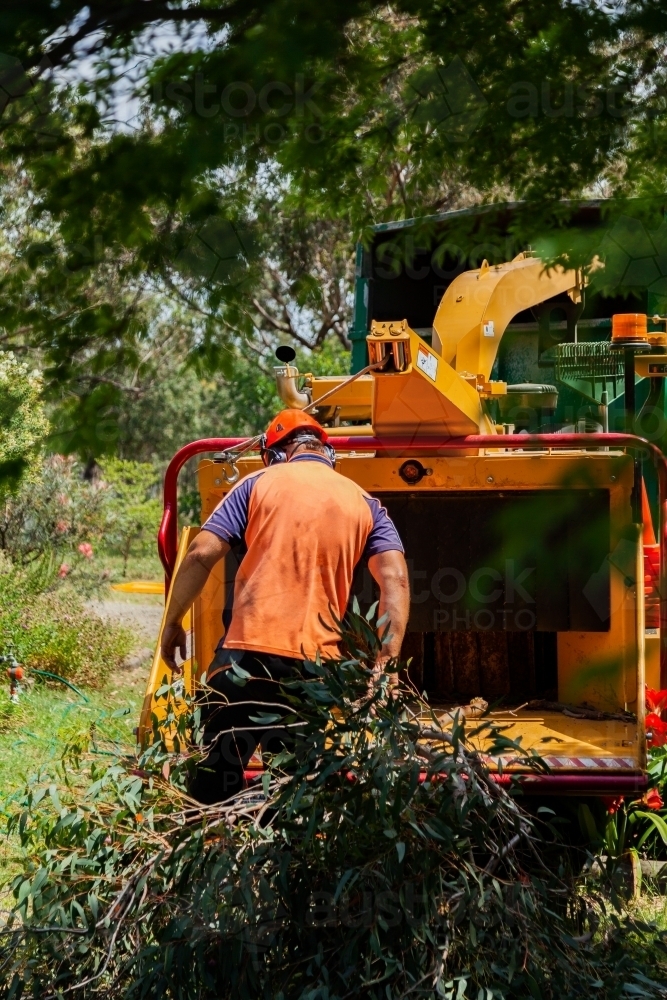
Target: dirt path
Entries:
(143, 619)
(142, 615)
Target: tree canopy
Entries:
(207, 166)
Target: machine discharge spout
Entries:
(286, 376)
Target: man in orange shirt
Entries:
(302, 529)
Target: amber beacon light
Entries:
(629, 328)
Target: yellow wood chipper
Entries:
(528, 543)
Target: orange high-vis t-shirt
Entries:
(304, 528)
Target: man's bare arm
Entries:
(390, 571)
(205, 551)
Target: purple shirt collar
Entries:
(310, 456)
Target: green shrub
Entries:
(132, 512)
(57, 520)
(54, 631)
(23, 423)
(53, 511)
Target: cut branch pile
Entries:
(342, 873)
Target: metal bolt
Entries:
(489, 479)
(613, 479)
(218, 482)
(429, 472)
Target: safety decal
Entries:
(578, 763)
(598, 762)
(427, 363)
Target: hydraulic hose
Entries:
(56, 677)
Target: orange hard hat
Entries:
(288, 421)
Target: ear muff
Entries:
(271, 456)
(275, 456)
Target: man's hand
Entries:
(173, 638)
(378, 670)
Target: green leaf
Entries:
(351, 873)
(655, 821)
(239, 675)
(587, 822)
(55, 798)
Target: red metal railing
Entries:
(167, 536)
(168, 533)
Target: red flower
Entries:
(612, 805)
(656, 700)
(658, 730)
(652, 799)
(62, 527)
(86, 550)
(63, 571)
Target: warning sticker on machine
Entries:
(427, 363)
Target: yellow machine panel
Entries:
(598, 669)
(570, 744)
(478, 305)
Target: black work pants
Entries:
(227, 710)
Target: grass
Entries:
(146, 567)
(49, 716)
(651, 905)
(34, 732)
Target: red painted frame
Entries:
(168, 534)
